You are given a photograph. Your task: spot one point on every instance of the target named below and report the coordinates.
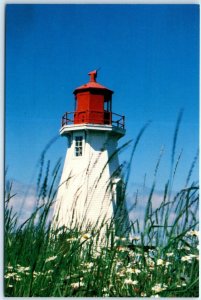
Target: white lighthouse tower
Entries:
(91, 187)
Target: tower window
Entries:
(78, 145)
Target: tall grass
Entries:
(160, 258)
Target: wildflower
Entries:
(118, 238)
(10, 275)
(96, 255)
(160, 262)
(186, 248)
(150, 263)
(22, 269)
(121, 273)
(133, 271)
(122, 249)
(159, 288)
(143, 294)
(136, 238)
(37, 273)
(123, 239)
(187, 258)
(130, 281)
(169, 254)
(10, 285)
(180, 285)
(131, 254)
(192, 255)
(76, 285)
(193, 233)
(50, 258)
(18, 278)
(26, 273)
(89, 265)
(85, 237)
(71, 239)
(137, 271)
(155, 296)
(167, 263)
(130, 270)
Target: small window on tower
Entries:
(78, 145)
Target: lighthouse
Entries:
(90, 194)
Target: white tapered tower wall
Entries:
(87, 194)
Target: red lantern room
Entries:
(93, 102)
(93, 105)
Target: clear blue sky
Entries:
(148, 55)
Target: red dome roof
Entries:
(92, 84)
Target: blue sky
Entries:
(147, 54)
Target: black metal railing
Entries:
(93, 117)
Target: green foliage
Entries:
(160, 258)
